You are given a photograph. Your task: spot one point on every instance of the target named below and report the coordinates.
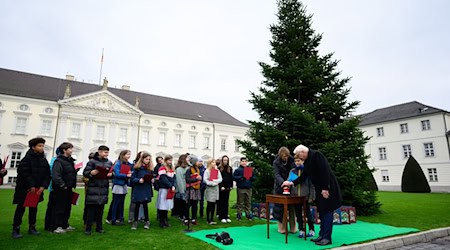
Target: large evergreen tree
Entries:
(303, 100)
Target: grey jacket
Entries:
(212, 187)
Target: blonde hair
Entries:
(209, 163)
(283, 151)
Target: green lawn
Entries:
(116, 237)
(421, 211)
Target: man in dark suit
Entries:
(327, 188)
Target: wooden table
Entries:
(286, 201)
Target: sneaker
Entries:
(223, 221)
(69, 228)
(212, 223)
(186, 222)
(249, 218)
(194, 222)
(228, 220)
(301, 234)
(239, 216)
(59, 230)
(87, 232)
(108, 221)
(147, 225)
(311, 233)
(134, 226)
(130, 221)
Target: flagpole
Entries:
(101, 67)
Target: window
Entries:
(404, 128)
(236, 164)
(46, 127)
(100, 132)
(406, 151)
(380, 131)
(145, 139)
(223, 144)
(429, 149)
(12, 180)
(192, 141)
(236, 146)
(15, 159)
(21, 125)
(432, 175)
(385, 175)
(177, 140)
(426, 125)
(382, 152)
(76, 130)
(123, 134)
(206, 142)
(162, 139)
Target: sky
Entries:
(208, 51)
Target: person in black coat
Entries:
(33, 175)
(64, 179)
(3, 172)
(224, 189)
(97, 188)
(328, 192)
(281, 166)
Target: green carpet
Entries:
(255, 237)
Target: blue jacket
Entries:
(120, 179)
(202, 171)
(141, 191)
(241, 182)
(166, 181)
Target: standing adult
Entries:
(328, 192)
(282, 165)
(33, 175)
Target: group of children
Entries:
(180, 188)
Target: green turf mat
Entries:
(255, 237)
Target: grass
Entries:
(421, 211)
(116, 237)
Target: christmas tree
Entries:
(303, 100)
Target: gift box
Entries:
(264, 212)
(345, 218)
(256, 210)
(337, 217)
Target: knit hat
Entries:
(194, 160)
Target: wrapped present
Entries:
(345, 218)
(337, 217)
(256, 210)
(264, 212)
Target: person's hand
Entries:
(2, 171)
(199, 178)
(129, 175)
(223, 189)
(40, 190)
(286, 183)
(32, 190)
(325, 194)
(141, 180)
(173, 189)
(153, 180)
(94, 172)
(109, 174)
(310, 201)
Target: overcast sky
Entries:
(207, 51)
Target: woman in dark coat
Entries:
(33, 175)
(282, 165)
(328, 192)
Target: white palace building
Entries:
(89, 115)
(399, 131)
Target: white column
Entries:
(87, 139)
(112, 139)
(134, 139)
(61, 129)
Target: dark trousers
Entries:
(18, 214)
(326, 225)
(94, 215)
(222, 204)
(193, 207)
(210, 207)
(117, 207)
(202, 200)
(136, 210)
(299, 215)
(49, 222)
(61, 207)
(178, 207)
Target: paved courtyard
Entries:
(437, 244)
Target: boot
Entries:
(16, 233)
(161, 222)
(166, 222)
(32, 230)
(88, 230)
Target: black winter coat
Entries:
(64, 175)
(97, 189)
(322, 177)
(33, 171)
(281, 172)
(227, 179)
